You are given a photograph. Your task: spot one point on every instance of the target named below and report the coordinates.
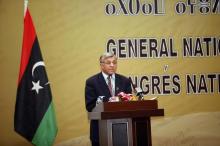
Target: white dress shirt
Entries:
(112, 81)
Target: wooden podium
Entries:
(125, 123)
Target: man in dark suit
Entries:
(104, 85)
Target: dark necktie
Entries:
(110, 84)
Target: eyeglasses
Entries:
(109, 63)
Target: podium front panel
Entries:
(116, 132)
(120, 134)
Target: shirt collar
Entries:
(106, 76)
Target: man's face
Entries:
(109, 65)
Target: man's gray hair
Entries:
(105, 56)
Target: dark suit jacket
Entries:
(95, 87)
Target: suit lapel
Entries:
(103, 85)
(117, 84)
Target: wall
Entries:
(72, 35)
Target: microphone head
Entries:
(139, 93)
(138, 90)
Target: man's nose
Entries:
(111, 64)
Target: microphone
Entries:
(139, 93)
(137, 90)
